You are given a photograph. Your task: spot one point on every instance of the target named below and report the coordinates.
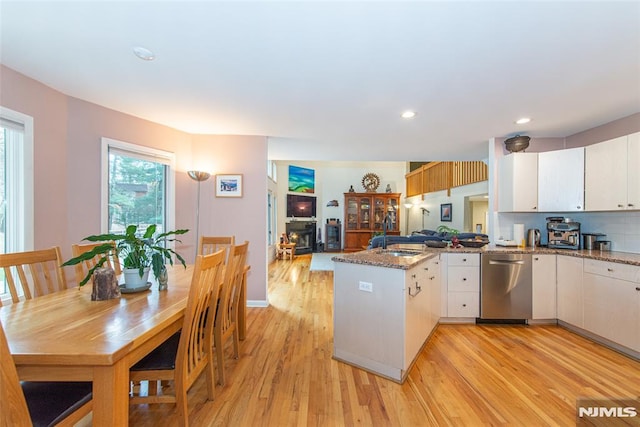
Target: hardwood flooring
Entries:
(466, 375)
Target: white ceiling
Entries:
(328, 80)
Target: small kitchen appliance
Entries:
(589, 240)
(563, 233)
(533, 237)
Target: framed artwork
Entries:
(301, 180)
(445, 212)
(229, 185)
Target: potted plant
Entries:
(452, 233)
(138, 254)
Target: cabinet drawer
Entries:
(463, 304)
(463, 279)
(463, 259)
(615, 270)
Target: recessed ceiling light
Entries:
(523, 120)
(143, 53)
(408, 115)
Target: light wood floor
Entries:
(466, 375)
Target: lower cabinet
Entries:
(382, 316)
(463, 285)
(569, 294)
(543, 271)
(612, 302)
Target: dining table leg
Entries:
(111, 395)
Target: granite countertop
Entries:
(382, 258)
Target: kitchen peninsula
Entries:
(387, 302)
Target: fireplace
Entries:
(303, 234)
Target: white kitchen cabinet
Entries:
(543, 272)
(611, 175)
(633, 171)
(463, 285)
(518, 182)
(612, 302)
(432, 274)
(561, 180)
(569, 291)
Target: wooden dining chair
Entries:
(34, 273)
(226, 324)
(83, 268)
(185, 355)
(39, 403)
(211, 244)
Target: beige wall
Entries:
(67, 140)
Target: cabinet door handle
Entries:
(630, 205)
(621, 206)
(464, 305)
(578, 207)
(536, 259)
(637, 288)
(610, 270)
(534, 208)
(464, 260)
(464, 279)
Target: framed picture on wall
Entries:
(229, 185)
(445, 212)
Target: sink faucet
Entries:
(386, 222)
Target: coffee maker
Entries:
(563, 233)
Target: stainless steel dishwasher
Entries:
(505, 288)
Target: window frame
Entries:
(147, 153)
(26, 173)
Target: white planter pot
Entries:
(132, 277)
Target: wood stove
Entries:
(303, 234)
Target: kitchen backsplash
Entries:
(621, 228)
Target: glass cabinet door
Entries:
(392, 210)
(365, 212)
(379, 211)
(352, 213)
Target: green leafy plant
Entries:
(449, 230)
(134, 251)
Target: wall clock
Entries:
(370, 182)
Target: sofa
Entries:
(421, 237)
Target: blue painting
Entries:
(301, 180)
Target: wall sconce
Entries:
(198, 176)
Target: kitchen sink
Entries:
(399, 252)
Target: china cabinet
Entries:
(364, 217)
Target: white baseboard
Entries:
(257, 303)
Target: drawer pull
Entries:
(536, 259)
(464, 305)
(418, 290)
(610, 270)
(464, 279)
(621, 206)
(637, 288)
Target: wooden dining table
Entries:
(64, 336)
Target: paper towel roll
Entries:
(518, 234)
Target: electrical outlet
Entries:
(366, 286)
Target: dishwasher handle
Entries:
(505, 262)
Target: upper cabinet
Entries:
(518, 183)
(561, 180)
(612, 181)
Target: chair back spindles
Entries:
(226, 324)
(34, 273)
(83, 268)
(211, 244)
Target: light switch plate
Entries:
(366, 286)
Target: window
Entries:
(16, 184)
(137, 188)
(271, 218)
